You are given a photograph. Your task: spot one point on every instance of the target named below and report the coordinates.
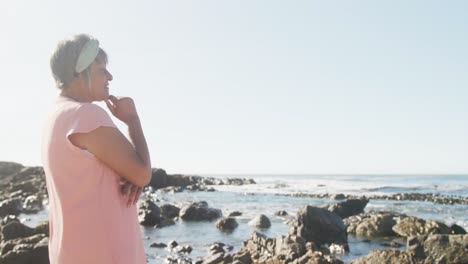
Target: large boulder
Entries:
(169, 210)
(372, 225)
(149, 213)
(320, 226)
(439, 248)
(413, 226)
(158, 178)
(260, 221)
(349, 207)
(199, 212)
(227, 224)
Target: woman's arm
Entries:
(130, 160)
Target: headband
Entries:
(87, 55)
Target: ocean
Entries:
(273, 193)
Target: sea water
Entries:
(271, 193)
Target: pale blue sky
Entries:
(259, 86)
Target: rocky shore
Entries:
(316, 234)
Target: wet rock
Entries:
(199, 212)
(349, 207)
(261, 221)
(149, 213)
(227, 224)
(411, 226)
(388, 256)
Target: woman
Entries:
(94, 173)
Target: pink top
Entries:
(89, 220)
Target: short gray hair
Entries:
(63, 60)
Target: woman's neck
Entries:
(75, 94)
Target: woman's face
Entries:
(100, 78)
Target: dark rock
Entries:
(158, 245)
(338, 196)
(158, 178)
(199, 212)
(387, 256)
(227, 224)
(260, 221)
(169, 210)
(457, 230)
(349, 207)
(235, 213)
(412, 226)
(165, 222)
(321, 226)
(173, 244)
(149, 213)
(16, 229)
(12, 206)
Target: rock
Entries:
(32, 204)
(387, 256)
(173, 244)
(227, 224)
(457, 230)
(165, 222)
(379, 225)
(158, 245)
(439, 248)
(8, 168)
(243, 257)
(16, 229)
(169, 210)
(199, 212)
(338, 196)
(411, 226)
(158, 178)
(12, 206)
(281, 213)
(214, 259)
(260, 221)
(149, 213)
(320, 226)
(27, 250)
(235, 213)
(349, 207)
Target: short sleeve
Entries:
(89, 117)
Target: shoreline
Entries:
(24, 192)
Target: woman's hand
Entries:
(129, 191)
(123, 108)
